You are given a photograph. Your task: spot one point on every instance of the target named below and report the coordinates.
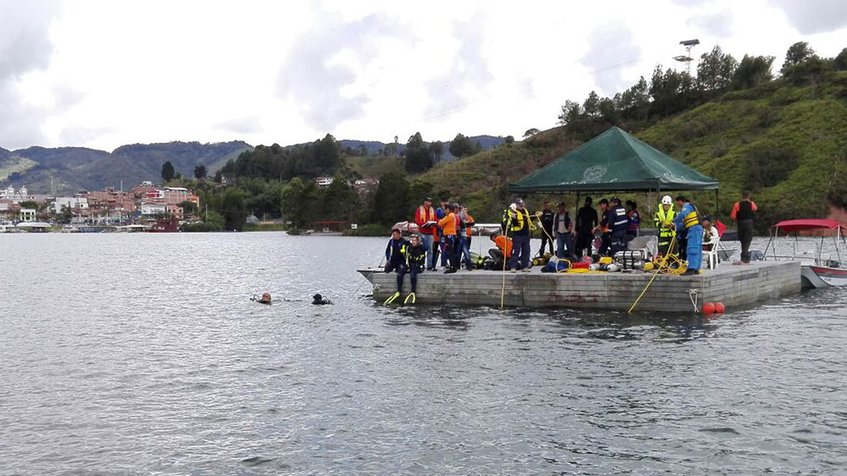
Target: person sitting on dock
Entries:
(503, 252)
(664, 223)
(395, 260)
(688, 221)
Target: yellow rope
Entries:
(663, 263)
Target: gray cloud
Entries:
(315, 84)
(814, 16)
(717, 24)
(469, 68)
(24, 47)
(611, 47)
(81, 135)
(241, 125)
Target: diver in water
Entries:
(317, 299)
(265, 299)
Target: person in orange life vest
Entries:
(452, 246)
(742, 214)
(503, 250)
(426, 221)
(438, 241)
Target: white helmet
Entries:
(667, 200)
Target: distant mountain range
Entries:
(70, 169)
(67, 170)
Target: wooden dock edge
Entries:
(732, 285)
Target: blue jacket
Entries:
(395, 252)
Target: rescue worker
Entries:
(742, 214)
(563, 231)
(425, 219)
(619, 226)
(545, 216)
(438, 242)
(450, 226)
(520, 225)
(466, 223)
(415, 258)
(586, 221)
(688, 221)
(502, 254)
(664, 223)
(395, 260)
(604, 228)
(634, 217)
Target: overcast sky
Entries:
(102, 73)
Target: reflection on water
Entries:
(143, 353)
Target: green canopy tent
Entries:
(614, 161)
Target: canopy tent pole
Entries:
(717, 204)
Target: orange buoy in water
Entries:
(708, 308)
(719, 308)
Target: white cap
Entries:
(667, 200)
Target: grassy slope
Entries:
(481, 181)
(718, 138)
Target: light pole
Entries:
(688, 44)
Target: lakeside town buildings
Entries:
(145, 203)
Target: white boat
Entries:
(816, 270)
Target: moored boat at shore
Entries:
(816, 270)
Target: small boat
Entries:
(816, 270)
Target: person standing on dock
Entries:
(520, 225)
(664, 223)
(619, 226)
(634, 217)
(546, 217)
(688, 222)
(742, 213)
(450, 226)
(563, 231)
(586, 220)
(605, 228)
(438, 242)
(425, 219)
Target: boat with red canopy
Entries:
(817, 270)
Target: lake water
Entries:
(142, 353)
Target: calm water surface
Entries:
(142, 353)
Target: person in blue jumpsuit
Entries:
(689, 220)
(618, 226)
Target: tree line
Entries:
(669, 91)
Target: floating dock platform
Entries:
(733, 285)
